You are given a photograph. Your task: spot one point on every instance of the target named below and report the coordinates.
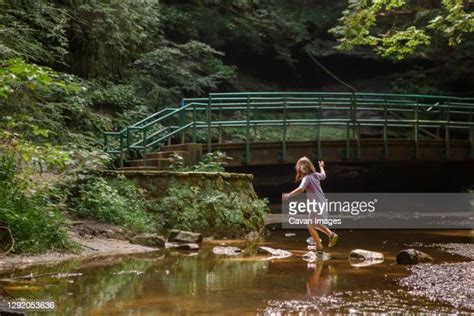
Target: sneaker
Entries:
(333, 240)
(310, 241)
(314, 248)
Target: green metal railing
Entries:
(422, 115)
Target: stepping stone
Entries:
(276, 253)
(182, 246)
(228, 251)
(361, 254)
(412, 256)
(184, 236)
(149, 240)
(364, 263)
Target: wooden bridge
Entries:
(368, 127)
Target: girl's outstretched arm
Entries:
(321, 175)
(296, 191)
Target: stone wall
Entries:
(156, 183)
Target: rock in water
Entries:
(182, 246)
(184, 236)
(149, 240)
(228, 251)
(412, 256)
(364, 263)
(361, 254)
(276, 253)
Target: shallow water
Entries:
(171, 282)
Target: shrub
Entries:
(116, 201)
(36, 224)
(210, 211)
(212, 162)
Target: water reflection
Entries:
(321, 281)
(175, 282)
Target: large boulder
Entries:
(184, 236)
(412, 256)
(149, 240)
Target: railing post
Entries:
(356, 127)
(348, 147)
(255, 125)
(385, 129)
(283, 149)
(471, 134)
(447, 132)
(350, 127)
(106, 143)
(127, 131)
(318, 129)
(208, 118)
(169, 130)
(220, 120)
(144, 144)
(181, 120)
(194, 123)
(247, 133)
(417, 145)
(121, 151)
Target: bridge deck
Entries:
(264, 153)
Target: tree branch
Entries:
(330, 73)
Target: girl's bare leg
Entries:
(314, 233)
(323, 229)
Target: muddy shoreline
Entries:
(100, 248)
(95, 240)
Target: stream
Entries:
(177, 282)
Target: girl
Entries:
(310, 182)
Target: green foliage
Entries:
(187, 69)
(19, 77)
(456, 23)
(176, 162)
(249, 27)
(107, 36)
(414, 82)
(117, 201)
(210, 211)
(403, 43)
(40, 104)
(112, 200)
(360, 25)
(212, 162)
(35, 222)
(34, 30)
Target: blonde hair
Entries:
(303, 167)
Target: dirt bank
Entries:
(95, 240)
